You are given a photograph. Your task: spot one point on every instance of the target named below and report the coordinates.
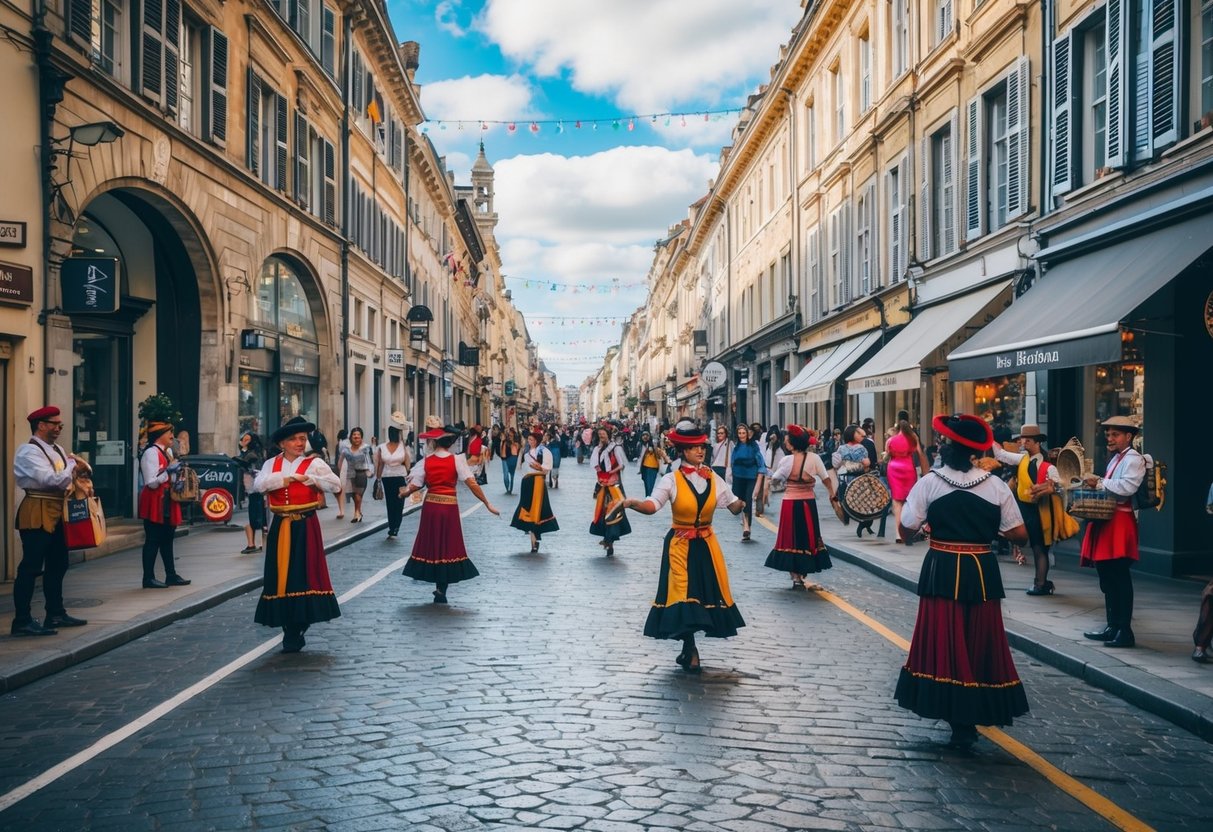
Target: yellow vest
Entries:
(685, 506)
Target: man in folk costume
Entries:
(1037, 490)
(1111, 545)
(296, 592)
(161, 515)
(44, 471)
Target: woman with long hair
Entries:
(508, 451)
(799, 549)
(906, 459)
(772, 453)
(652, 457)
(722, 453)
(392, 463)
(439, 556)
(343, 444)
(693, 594)
(356, 468)
(534, 513)
(607, 459)
(960, 667)
(850, 460)
(747, 464)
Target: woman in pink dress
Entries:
(905, 460)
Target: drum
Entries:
(866, 497)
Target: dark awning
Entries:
(1072, 316)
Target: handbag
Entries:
(184, 486)
(377, 491)
(83, 519)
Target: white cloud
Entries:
(646, 55)
(446, 16)
(478, 97)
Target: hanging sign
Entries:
(713, 375)
(16, 283)
(90, 284)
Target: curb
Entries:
(112, 637)
(1174, 703)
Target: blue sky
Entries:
(583, 207)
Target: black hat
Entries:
(293, 426)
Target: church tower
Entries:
(482, 195)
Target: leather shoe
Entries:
(62, 620)
(1200, 654)
(1124, 638)
(1106, 634)
(31, 628)
(154, 584)
(177, 580)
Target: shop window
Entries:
(1002, 403)
(280, 302)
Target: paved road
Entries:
(533, 701)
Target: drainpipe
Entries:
(1047, 22)
(728, 305)
(342, 359)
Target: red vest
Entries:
(295, 494)
(440, 474)
(152, 500)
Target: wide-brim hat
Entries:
(289, 428)
(157, 429)
(399, 419)
(965, 429)
(1122, 423)
(1031, 431)
(687, 434)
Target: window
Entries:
(817, 291)
(1095, 98)
(281, 302)
(1204, 34)
(900, 36)
(865, 216)
(190, 80)
(840, 254)
(109, 44)
(943, 21)
(937, 210)
(896, 195)
(865, 73)
(840, 103)
(159, 47)
(810, 136)
(996, 174)
(328, 41)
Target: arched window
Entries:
(280, 303)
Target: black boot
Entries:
(1106, 634)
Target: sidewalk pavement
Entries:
(108, 591)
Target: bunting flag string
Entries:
(571, 320)
(579, 288)
(562, 125)
(583, 342)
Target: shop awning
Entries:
(816, 381)
(1072, 317)
(898, 364)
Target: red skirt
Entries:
(960, 667)
(296, 591)
(1110, 539)
(439, 556)
(798, 545)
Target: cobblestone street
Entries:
(533, 701)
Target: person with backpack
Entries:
(1111, 545)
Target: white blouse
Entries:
(394, 464)
(318, 475)
(666, 488)
(462, 472)
(539, 454)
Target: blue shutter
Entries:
(1117, 33)
(1062, 145)
(1166, 72)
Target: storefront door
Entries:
(102, 421)
(258, 407)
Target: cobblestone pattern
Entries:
(533, 702)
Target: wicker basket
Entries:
(1072, 463)
(1090, 504)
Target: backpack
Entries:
(1152, 493)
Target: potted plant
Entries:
(156, 408)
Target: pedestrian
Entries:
(296, 591)
(906, 460)
(439, 556)
(607, 460)
(534, 513)
(161, 514)
(851, 459)
(722, 454)
(251, 456)
(392, 463)
(799, 549)
(747, 463)
(556, 447)
(355, 465)
(475, 454)
(652, 457)
(959, 668)
(44, 471)
(1111, 545)
(693, 594)
(508, 452)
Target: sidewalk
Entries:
(1157, 675)
(108, 591)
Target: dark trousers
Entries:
(744, 489)
(1116, 584)
(158, 537)
(42, 553)
(395, 505)
(649, 477)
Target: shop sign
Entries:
(12, 234)
(671, 401)
(111, 452)
(217, 505)
(89, 284)
(395, 358)
(831, 331)
(902, 380)
(297, 361)
(712, 375)
(1081, 352)
(16, 283)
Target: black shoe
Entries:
(152, 583)
(1047, 589)
(177, 580)
(439, 597)
(62, 620)
(610, 550)
(248, 550)
(963, 737)
(1124, 638)
(1106, 634)
(692, 661)
(1200, 654)
(293, 642)
(31, 628)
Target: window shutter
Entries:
(1166, 72)
(80, 21)
(1062, 165)
(303, 21)
(214, 96)
(903, 231)
(303, 177)
(948, 191)
(924, 199)
(813, 258)
(280, 134)
(894, 226)
(172, 51)
(151, 76)
(356, 89)
(873, 236)
(1117, 51)
(1141, 101)
(1018, 148)
(328, 40)
(253, 100)
(974, 203)
(845, 247)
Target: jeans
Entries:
(44, 554)
(508, 466)
(395, 505)
(649, 477)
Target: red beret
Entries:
(42, 413)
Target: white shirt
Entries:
(722, 453)
(318, 475)
(813, 466)
(539, 454)
(1123, 476)
(33, 471)
(612, 451)
(394, 464)
(667, 487)
(149, 465)
(462, 472)
(1015, 457)
(991, 489)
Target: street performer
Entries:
(296, 592)
(534, 513)
(607, 460)
(161, 515)
(693, 592)
(44, 471)
(1111, 545)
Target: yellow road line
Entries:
(1085, 795)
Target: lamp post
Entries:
(418, 319)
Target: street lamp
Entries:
(418, 319)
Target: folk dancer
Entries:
(799, 549)
(161, 514)
(1111, 545)
(607, 459)
(296, 592)
(439, 556)
(693, 594)
(534, 512)
(960, 668)
(44, 471)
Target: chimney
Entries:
(410, 56)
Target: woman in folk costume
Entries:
(608, 460)
(534, 512)
(799, 549)
(693, 593)
(960, 668)
(161, 514)
(439, 556)
(296, 592)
